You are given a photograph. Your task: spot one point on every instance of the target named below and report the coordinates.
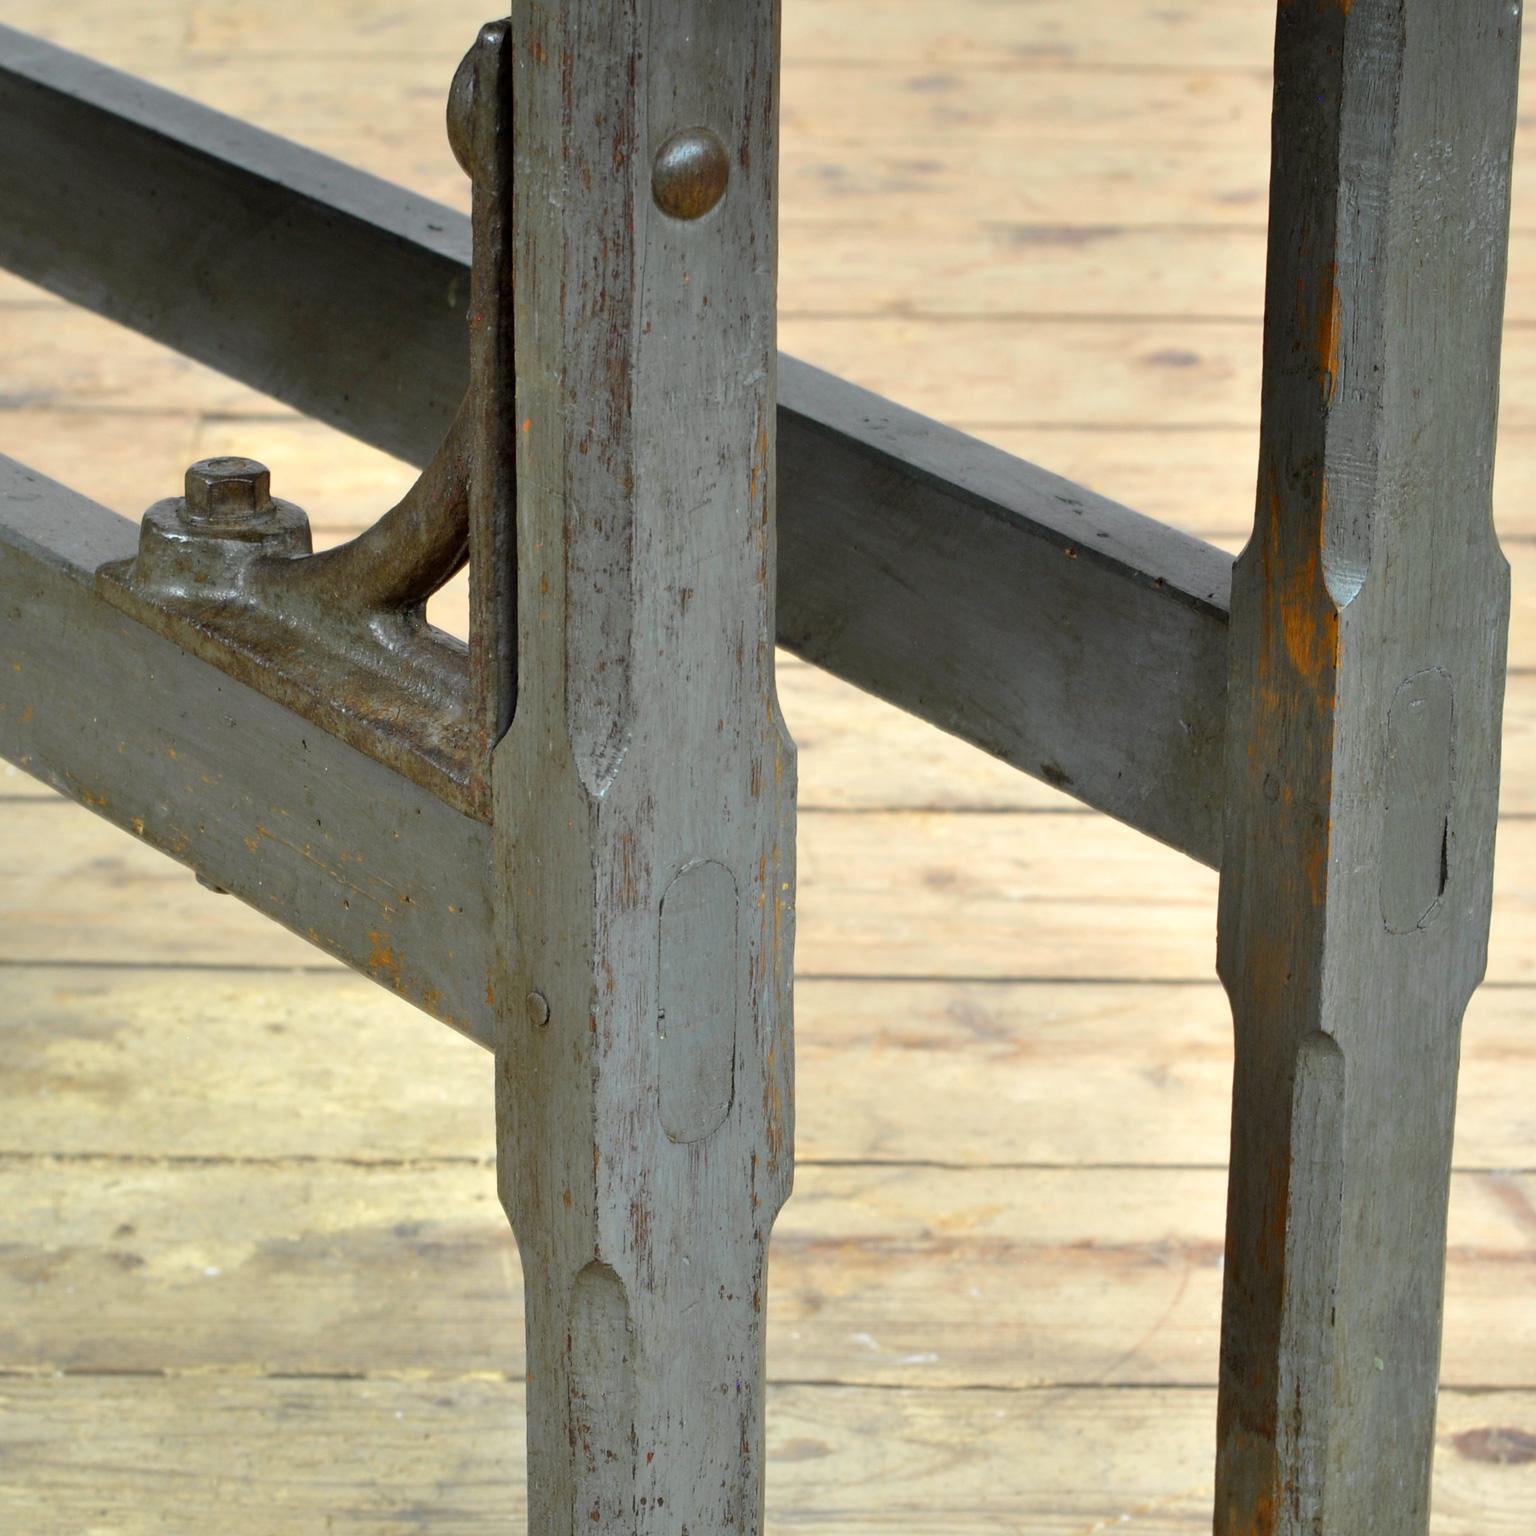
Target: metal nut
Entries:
(227, 493)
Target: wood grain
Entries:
(255, 1066)
(893, 1276)
(134, 1457)
(886, 893)
(909, 202)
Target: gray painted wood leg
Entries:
(1369, 619)
(644, 794)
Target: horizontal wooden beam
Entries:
(1073, 638)
(1069, 636)
(363, 863)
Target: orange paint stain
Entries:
(1260, 1521)
(1317, 872)
(1328, 338)
(1309, 625)
(382, 959)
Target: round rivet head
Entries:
(690, 174)
(461, 112)
(538, 1009)
(227, 493)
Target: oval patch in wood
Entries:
(1416, 829)
(696, 1020)
(600, 1357)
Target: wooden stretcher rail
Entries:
(1068, 635)
(349, 855)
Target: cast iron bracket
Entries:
(342, 637)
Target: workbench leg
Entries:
(1369, 615)
(644, 794)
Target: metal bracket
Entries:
(342, 637)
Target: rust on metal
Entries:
(341, 638)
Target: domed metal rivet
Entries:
(690, 174)
(461, 111)
(538, 1009)
(471, 120)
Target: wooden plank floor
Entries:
(252, 1270)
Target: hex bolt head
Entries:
(689, 174)
(227, 493)
(209, 538)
